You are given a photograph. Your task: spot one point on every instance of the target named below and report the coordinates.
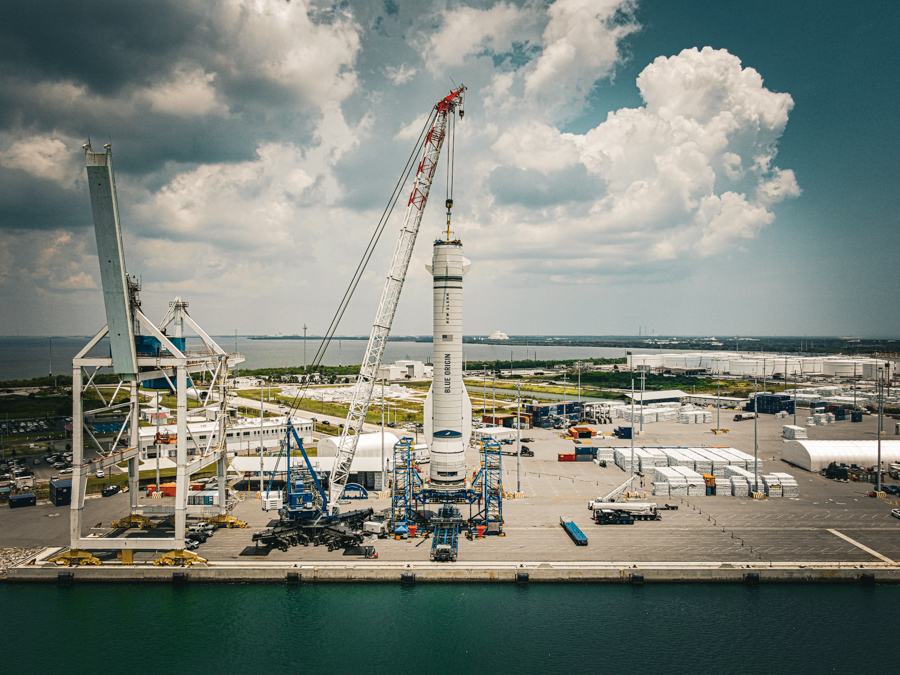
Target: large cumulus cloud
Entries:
(257, 141)
(688, 175)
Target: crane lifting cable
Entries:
(390, 297)
(364, 261)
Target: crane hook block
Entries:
(449, 203)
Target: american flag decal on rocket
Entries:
(447, 338)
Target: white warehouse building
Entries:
(241, 435)
(761, 365)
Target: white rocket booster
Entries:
(448, 410)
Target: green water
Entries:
(467, 628)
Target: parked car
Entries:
(190, 544)
(892, 489)
(895, 513)
(65, 472)
(36, 461)
(100, 473)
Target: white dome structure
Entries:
(817, 455)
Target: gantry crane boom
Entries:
(381, 328)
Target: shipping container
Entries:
(566, 457)
(60, 492)
(18, 501)
(574, 532)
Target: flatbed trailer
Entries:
(512, 453)
(574, 532)
(612, 517)
(444, 545)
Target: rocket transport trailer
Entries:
(638, 510)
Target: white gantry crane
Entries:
(381, 328)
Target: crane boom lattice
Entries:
(390, 297)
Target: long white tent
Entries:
(817, 455)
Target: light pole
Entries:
(632, 431)
(382, 433)
(642, 397)
(880, 389)
(755, 439)
(718, 403)
(518, 437)
(795, 397)
(304, 348)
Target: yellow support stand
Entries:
(179, 558)
(74, 558)
(226, 521)
(127, 556)
(134, 520)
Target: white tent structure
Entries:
(817, 455)
(369, 445)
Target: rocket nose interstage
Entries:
(448, 411)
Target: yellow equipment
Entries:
(74, 558)
(226, 521)
(178, 558)
(134, 520)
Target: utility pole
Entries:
(518, 436)
(304, 348)
(382, 434)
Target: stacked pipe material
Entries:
(660, 489)
(739, 486)
(810, 421)
(623, 459)
(735, 458)
(821, 419)
(647, 461)
(696, 484)
(793, 433)
(702, 464)
(677, 458)
(717, 462)
(666, 474)
(789, 486)
(607, 454)
(694, 417)
(732, 470)
(781, 415)
(772, 485)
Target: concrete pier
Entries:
(394, 572)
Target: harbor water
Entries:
(27, 357)
(447, 628)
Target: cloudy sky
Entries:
(698, 167)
